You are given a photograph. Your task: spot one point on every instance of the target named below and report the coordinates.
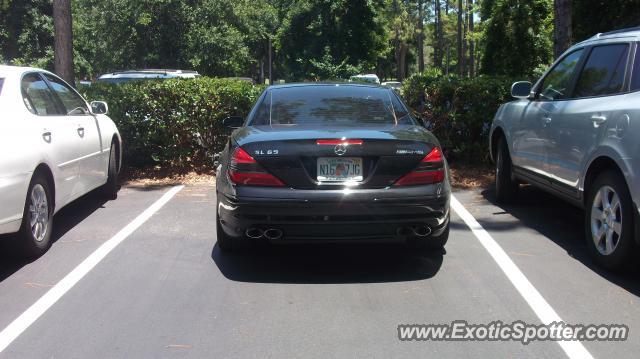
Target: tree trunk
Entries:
(63, 40)
(448, 59)
(437, 49)
(270, 62)
(402, 63)
(562, 26)
(460, 39)
(261, 76)
(472, 60)
(420, 36)
(396, 42)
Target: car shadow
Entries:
(562, 223)
(328, 263)
(65, 220)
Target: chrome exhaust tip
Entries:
(403, 231)
(273, 233)
(254, 233)
(421, 231)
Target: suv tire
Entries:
(609, 222)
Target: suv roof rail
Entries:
(619, 31)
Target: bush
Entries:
(458, 110)
(174, 122)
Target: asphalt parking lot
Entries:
(162, 288)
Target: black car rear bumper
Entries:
(340, 215)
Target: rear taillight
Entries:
(245, 171)
(429, 171)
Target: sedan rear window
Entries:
(335, 105)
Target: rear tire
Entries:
(34, 237)
(110, 189)
(609, 218)
(506, 186)
(226, 243)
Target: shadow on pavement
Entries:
(63, 222)
(328, 263)
(560, 222)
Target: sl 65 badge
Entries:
(409, 152)
(266, 152)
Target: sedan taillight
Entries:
(429, 171)
(245, 171)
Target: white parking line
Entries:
(573, 349)
(20, 324)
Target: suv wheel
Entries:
(506, 186)
(609, 221)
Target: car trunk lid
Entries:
(296, 155)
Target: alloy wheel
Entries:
(39, 213)
(606, 220)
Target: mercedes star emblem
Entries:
(340, 149)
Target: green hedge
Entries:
(174, 122)
(459, 110)
(178, 122)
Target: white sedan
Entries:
(54, 148)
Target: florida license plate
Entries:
(339, 169)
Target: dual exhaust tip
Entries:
(417, 231)
(257, 233)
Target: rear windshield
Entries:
(1, 83)
(333, 105)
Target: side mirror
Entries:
(521, 89)
(99, 108)
(233, 122)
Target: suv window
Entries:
(556, 84)
(603, 72)
(73, 103)
(37, 96)
(635, 74)
(1, 83)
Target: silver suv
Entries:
(576, 134)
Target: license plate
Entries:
(339, 169)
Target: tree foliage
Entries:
(593, 16)
(26, 32)
(517, 36)
(305, 39)
(323, 34)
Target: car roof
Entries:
(317, 84)
(628, 34)
(149, 73)
(17, 71)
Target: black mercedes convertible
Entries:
(331, 163)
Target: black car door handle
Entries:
(81, 131)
